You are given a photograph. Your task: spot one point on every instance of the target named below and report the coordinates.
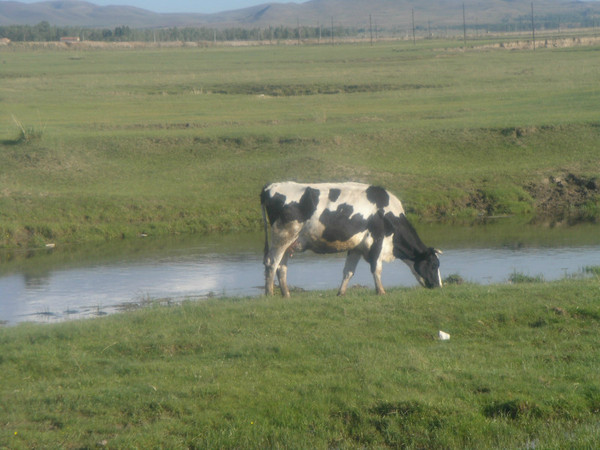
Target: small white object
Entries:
(50, 245)
(443, 336)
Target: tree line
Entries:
(44, 32)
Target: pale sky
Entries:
(187, 6)
(184, 6)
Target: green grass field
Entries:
(316, 371)
(100, 144)
(105, 144)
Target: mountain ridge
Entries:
(348, 13)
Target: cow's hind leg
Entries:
(271, 264)
(283, 239)
(282, 273)
(349, 269)
(276, 263)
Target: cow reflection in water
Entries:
(362, 220)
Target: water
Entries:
(59, 285)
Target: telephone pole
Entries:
(413, 26)
(532, 26)
(464, 27)
(332, 30)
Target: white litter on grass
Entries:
(443, 336)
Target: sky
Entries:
(185, 6)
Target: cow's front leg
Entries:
(349, 269)
(282, 274)
(376, 269)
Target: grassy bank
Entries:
(520, 370)
(110, 143)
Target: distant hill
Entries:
(349, 13)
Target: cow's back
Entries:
(314, 198)
(328, 217)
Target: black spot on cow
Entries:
(339, 225)
(377, 225)
(308, 203)
(378, 196)
(277, 209)
(378, 229)
(273, 205)
(334, 194)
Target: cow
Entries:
(357, 218)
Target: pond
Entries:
(71, 283)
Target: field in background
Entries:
(111, 143)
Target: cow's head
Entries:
(408, 247)
(426, 268)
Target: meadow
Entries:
(520, 370)
(110, 143)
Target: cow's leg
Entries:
(376, 270)
(376, 263)
(349, 268)
(282, 273)
(276, 262)
(271, 266)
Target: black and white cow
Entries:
(362, 220)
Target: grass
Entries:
(24, 135)
(181, 140)
(594, 270)
(517, 277)
(116, 143)
(520, 370)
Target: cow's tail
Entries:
(266, 224)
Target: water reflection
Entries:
(76, 283)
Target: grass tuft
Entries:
(592, 270)
(517, 277)
(25, 134)
(512, 409)
(453, 278)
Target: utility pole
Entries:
(371, 29)
(464, 27)
(532, 27)
(319, 24)
(413, 26)
(331, 30)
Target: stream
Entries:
(52, 285)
